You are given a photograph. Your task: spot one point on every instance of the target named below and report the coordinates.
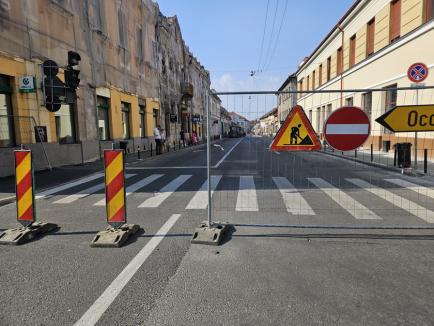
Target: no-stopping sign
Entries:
(417, 72)
(347, 128)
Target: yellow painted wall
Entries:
(361, 44)
(116, 97)
(346, 54)
(334, 66)
(382, 20)
(411, 15)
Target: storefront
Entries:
(7, 138)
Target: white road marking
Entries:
(347, 129)
(352, 206)
(165, 167)
(294, 201)
(165, 192)
(68, 185)
(134, 187)
(227, 154)
(247, 200)
(405, 204)
(412, 186)
(200, 199)
(85, 192)
(94, 313)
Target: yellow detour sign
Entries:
(296, 134)
(409, 118)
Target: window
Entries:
(103, 118)
(307, 83)
(310, 115)
(142, 112)
(429, 10)
(352, 50)
(339, 61)
(390, 100)
(320, 75)
(323, 117)
(155, 117)
(329, 110)
(126, 108)
(6, 119)
(349, 101)
(367, 103)
(318, 119)
(64, 120)
(140, 52)
(96, 14)
(395, 20)
(122, 28)
(329, 67)
(313, 79)
(370, 37)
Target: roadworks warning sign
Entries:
(296, 133)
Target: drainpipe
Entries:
(342, 62)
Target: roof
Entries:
(349, 11)
(239, 115)
(286, 82)
(272, 112)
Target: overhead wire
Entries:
(263, 35)
(272, 33)
(278, 36)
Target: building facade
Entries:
(372, 46)
(123, 92)
(286, 101)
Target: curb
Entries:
(7, 200)
(374, 164)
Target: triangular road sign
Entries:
(296, 133)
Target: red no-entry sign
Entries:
(347, 128)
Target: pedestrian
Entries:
(157, 137)
(182, 136)
(193, 138)
(163, 138)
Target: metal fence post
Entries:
(372, 152)
(425, 161)
(208, 157)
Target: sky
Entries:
(229, 39)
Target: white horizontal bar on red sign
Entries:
(347, 129)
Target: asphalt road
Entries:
(345, 271)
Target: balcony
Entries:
(187, 90)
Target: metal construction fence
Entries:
(325, 188)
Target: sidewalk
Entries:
(60, 175)
(381, 159)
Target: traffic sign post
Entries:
(296, 133)
(25, 199)
(118, 230)
(347, 128)
(417, 73)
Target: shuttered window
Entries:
(329, 67)
(395, 20)
(429, 10)
(313, 79)
(370, 38)
(352, 50)
(320, 75)
(308, 83)
(339, 61)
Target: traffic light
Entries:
(71, 74)
(54, 88)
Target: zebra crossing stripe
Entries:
(68, 185)
(165, 192)
(405, 204)
(352, 206)
(247, 200)
(134, 187)
(200, 199)
(84, 193)
(294, 201)
(412, 186)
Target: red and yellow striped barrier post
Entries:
(24, 187)
(115, 187)
(25, 198)
(118, 231)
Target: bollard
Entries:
(372, 152)
(425, 161)
(25, 201)
(138, 152)
(151, 149)
(118, 231)
(355, 153)
(394, 157)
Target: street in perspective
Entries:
(216, 163)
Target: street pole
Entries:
(415, 134)
(208, 157)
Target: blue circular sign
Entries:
(417, 72)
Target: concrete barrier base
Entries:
(114, 237)
(23, 234)
(210, 234)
